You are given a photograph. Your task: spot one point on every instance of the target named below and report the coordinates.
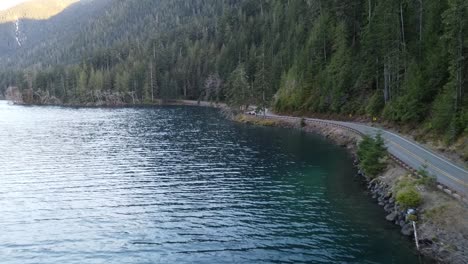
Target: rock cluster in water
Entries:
(396, 214)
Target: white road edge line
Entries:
(427, 151)
(391, 133)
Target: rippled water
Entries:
(179, 185)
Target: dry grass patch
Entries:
(258, 121)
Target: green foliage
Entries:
(371, 153)
(34, 10)
(409, 197)
(289, 97)
(428, 180)
(376, 104)
(239, 92)
(339, 71)
(443, 111)
(425, 178)
(410, 106)
(412, 218)
(402, 61)
(405, 182)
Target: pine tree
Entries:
(238, 92)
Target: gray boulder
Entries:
(407, 229)
(391, 217)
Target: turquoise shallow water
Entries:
(180, 185)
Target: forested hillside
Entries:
(35, 31)
(35, 9)
(398, 60)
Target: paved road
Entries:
(413, 154)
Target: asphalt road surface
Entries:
(448, 173)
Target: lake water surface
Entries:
(179, 185)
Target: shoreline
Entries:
(445, 151)
(439, 238)
(453, 152)
(157, 103)
(448, 152)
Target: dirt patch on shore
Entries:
(444, 222)
(339, 136)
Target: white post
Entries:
(416, 235)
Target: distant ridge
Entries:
(35, 9)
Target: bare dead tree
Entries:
(213, 86)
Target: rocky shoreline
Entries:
(442, 225)
(439, 238)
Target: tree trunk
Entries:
(325, 47)
(152, 83)
(386, 84)
(354, 25)
(370, 11)
(377, 75)
(421, 10)
(460, 60)
(134, 91)
(64, 86)
(402, 26)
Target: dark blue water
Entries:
(179, 185)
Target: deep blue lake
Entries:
(180, 185)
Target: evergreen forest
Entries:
(399, 61)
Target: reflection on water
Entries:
(179, 185)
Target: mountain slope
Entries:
(116, 22)
(400, 61)
(35, 9)
(39, 23)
